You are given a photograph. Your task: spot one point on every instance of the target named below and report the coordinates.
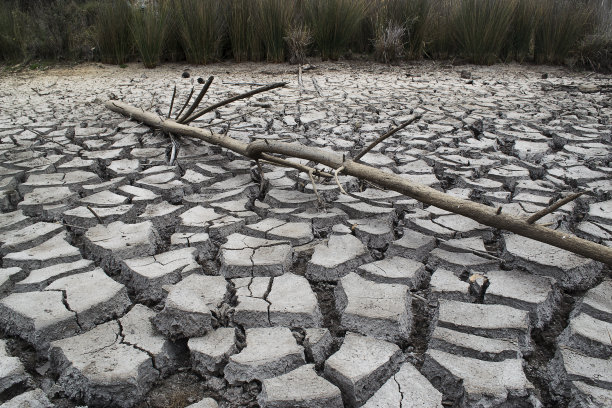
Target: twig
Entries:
(553, 207)
(95, 215)
(152, 100)
(172, 102)
(419, 297)
(316, 85)
(300, 82)
(233, 99)
(175, 147)
(385, 136)
(338, 170)
(186, 103)
(243, 83)
(314, 187)
(262, 180)
(477, 252)
(197, 100)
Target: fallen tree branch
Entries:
(265, 150)
(536, 216)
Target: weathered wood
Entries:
(553, 207)
(483, 214)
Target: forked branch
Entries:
(267, 150)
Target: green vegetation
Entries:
(112, 31)
(149, 27)
(243, 31)
(481, 28)
(200, 26)
(578, 32)
(333, 23)
(273, 21)
(560, 26)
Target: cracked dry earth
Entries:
(132, 280)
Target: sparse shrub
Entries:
(333, 24)
(200, 24)
(298, 39)
(388, 44)
(412, 16)
(149, 27)
(112, 31)
(274, 18)
(560, 26)
(481, 27)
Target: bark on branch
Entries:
(266, 150)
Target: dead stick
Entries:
(172, 102)
(197, 100)
(186, 103)
(233, 99)
(243, 83)
(314, 187)
(95, 215)
(386, 135)
(553, 207)
(479, 212)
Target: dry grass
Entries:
(388, 44)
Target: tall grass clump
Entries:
(560, 26)
(112, 31)
(595, 50)
(244, 37)
(333, 24)
(438, 34)
(150, 26)
(520, 37)
(200, 24)
(274, 17)
(481, 27)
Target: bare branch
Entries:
(314, 187)
(387, 135)
(172, 102)
(186, 103)
(95, 215)
(553, 207)
(233, 99)
(197, 100)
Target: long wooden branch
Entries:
(265, 150)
